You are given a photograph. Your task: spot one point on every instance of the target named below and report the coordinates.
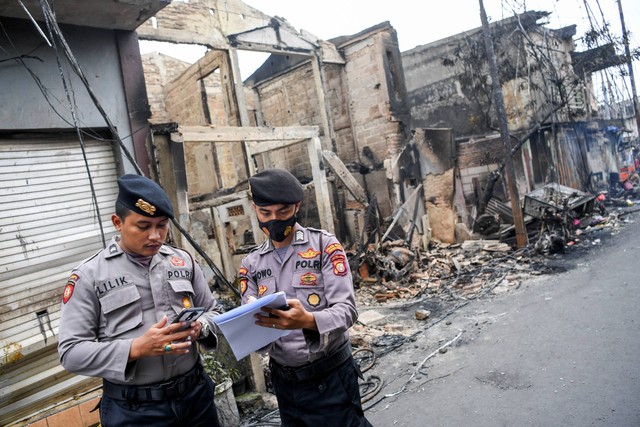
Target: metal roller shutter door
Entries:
(48, 224)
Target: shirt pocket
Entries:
(310, 290)
(182, 296)
(122, 310)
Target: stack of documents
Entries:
(239, 328)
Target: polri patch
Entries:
(261, 290)
(333, 247)
(186, 302)
(339, 265)
(243, 271)
(308, 279)
(68, 291)
(308, 254)
(177, 261)
(243, 286)
(314, 299)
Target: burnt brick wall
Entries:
(290, 100)
(159, 70)
(481, 152)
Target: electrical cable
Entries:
(71, 101)
(55, 30)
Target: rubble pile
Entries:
(564, 220)
(452, 272)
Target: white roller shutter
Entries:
(48, 224)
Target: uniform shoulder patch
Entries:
(339, 265)
(333, 248)
(69, 287)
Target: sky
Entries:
(424, 21)
(430, 20)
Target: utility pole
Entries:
(627, 54)
(518, 221)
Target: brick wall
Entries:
(290, 100)
(476, 158)
(479, 152)
(338, 100)
(159, 70)
(376, 95)
(365, 98)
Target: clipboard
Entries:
(239, 328)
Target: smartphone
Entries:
(189, 315)
(283, 308)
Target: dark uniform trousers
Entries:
(329, 399)
(184, 402)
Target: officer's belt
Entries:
(315, 368)
(154, 392)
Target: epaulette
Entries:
(86, 260)
(320, 230)
(260, 246)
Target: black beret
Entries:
(275, 186)
(144, 196)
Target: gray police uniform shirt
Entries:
(315, 271)
(110, 300)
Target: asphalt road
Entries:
(561, 350)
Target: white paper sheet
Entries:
(239, 328)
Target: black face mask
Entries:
(278, 230)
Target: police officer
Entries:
(313, 372)
(117, 313)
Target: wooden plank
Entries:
(327, 128)
(345, 176)
(237, 134)
(320, 185)
(259, 147)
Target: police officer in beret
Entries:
(312, 370)
(117, 313)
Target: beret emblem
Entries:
(146, 207)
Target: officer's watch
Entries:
(204, 330)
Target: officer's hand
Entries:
(162, 339)
(296, 317)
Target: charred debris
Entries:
(559, 220)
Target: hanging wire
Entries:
(55, 30)
(72, 109)
(48, 13)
